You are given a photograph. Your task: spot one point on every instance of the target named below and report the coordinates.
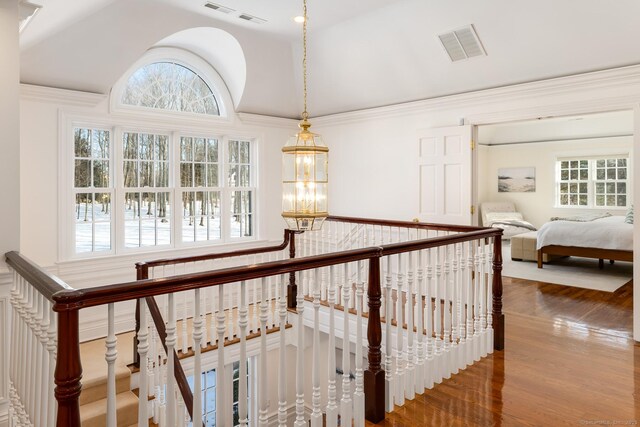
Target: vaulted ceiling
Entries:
(361, 54)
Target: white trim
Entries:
(188, 60)
(625, 80)
(53, 95)
(271, 121)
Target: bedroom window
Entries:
(592, 182)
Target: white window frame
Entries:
(591, 180)
(144, 120)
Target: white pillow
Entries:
(502, 216)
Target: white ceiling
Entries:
(361, 54)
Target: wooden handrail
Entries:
(404, 224)
(228, 254)
(46, 284)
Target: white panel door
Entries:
(445, 175)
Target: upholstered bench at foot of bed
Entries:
(523, 248)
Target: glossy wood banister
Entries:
(218, 255)
(127, 291)
(404, 224)
(43, 282)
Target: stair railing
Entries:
(460, 302)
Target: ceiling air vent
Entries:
(462, 44)
(252, 18)
(219, 7)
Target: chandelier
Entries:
(304, 167)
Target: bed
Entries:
(604, 238)
(504, 215)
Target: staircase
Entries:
(93, 399)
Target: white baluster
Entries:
(52, 345)
(476, 304)
(143, 348)
(212, 319)
(13, 355)
(282, 372)
(400, 379)
(437, 321)
(489, 339)
(29, 388)
(197, 359)
(316, 415)
(220, 376)
(171, 341)
(429, 368)
(455, 308)
(345, 402)
(44, 361)
(358, 395)
(469, 303)
(332, 404)
(243, 415)
(410, 372)
(446, 293)
(462, 344)
(300, 421)
(388, 353)
(185, 336)
(262, 379)
(420, 334)
(482, 351)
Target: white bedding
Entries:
(604, 233)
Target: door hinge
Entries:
(473, 145)
(473, 209)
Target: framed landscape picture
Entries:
(516, 180)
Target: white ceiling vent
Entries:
(462, 44)
(218, 7)
(252, 18)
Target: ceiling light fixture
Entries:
(305, 161)
(299, 19)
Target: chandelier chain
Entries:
(305, 114)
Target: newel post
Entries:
(498, 316)
(68, 372)
(142, 273)
(292, 288)
(374, 382)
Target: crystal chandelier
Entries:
(304, 168)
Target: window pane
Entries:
(574, 174)
(622, 173)
(241, 205)
(564, 199)
(583, 187)
(600, 187)
(130, 170)
(212, 175)
(584, 164)
(233, 152)
(611, 187)
(101, 173)
(611, 200)
(600, 163)
(130, 147)
(583, 200)
(600, 174)
(621, 188)
(573, 199)
(611, 174)
(146, 146)
(233, 176)
(146, 174)
(574, 163)
(611, 162)
(186, 175)
(162, 174)
(622, 162)
(212, 151)
(622, 200)
(161, 148)
(564, 164)
(169, 86)
(564, 175)
(244, 152)
(564, 188)
(199, 174)
(186, 149)
(573, 188)
(82, 143)
(584, 174)
(82, 173)
(244, 176)
(199, 150)
(600, 200)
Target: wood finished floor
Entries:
(569, 360)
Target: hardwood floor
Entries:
(569, 360)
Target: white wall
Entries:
(9, 173)
(373, 160)
(537, 207)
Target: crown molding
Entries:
(53, 95)
(271, 121)
(624, 80)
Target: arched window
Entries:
(170, 86)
